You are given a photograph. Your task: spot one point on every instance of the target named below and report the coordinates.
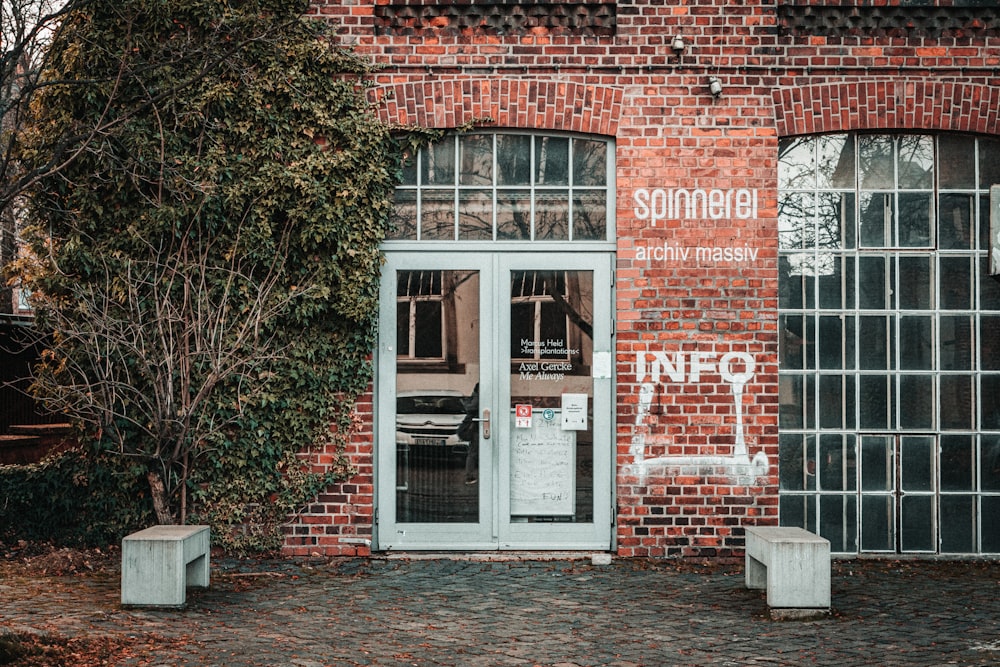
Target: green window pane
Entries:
(877, 523)
(475, 214)
(916, 343)
(916, 404)
(437, 215)
(956, 222)
(915, 220)
(403, 222)
(876, 165)
(797, 163)
(915, 162)
(955, 340)
(476, 159)
(957, 402)
(916, 282)
(958, 524)
(797, 469)
(958, 456)
(955, 280)
(917, 461)
(552, 215)
(877, 471)
(916, 523)
(838, 521)
(956, 171)
(514, 215)
(437, 165)
(989, 462)
(590, 163)
(835, 161)
(551, 161)
(513, 159)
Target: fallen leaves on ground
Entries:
(31, 650)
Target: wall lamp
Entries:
(677, 45)
(714, 86)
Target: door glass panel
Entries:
(876, 523)
(437, 378)
(551, 397)
(918, 464)
(917, 523)
(876, 463)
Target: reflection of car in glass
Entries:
(430, 418)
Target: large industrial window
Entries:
(889, 342)
(506, 187)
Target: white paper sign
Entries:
(574, 412)
(601, 366)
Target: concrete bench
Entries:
(159, 563)
(793, 565)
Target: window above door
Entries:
(500, 186)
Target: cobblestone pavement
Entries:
(554, 613)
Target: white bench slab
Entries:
(791, 564)
(159, 563)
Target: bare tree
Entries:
(162, 333)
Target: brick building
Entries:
(695, 266)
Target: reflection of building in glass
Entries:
(890, 356)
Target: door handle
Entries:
(485, 421)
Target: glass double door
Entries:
(494, 402)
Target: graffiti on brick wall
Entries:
(736, 369)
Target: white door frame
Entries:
(495, 530)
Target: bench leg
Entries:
(755, 572)
(152, 573)
(197, 572)
(799, 576)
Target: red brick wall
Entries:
(671, 133)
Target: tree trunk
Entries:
(161, 504)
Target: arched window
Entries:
(507, 187)
(889, 342)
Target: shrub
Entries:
(73, 498)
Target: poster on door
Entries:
(543, 470)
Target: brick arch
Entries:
(521, 103)
(886, 105)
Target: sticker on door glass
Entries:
(574, 412)
(522, 414)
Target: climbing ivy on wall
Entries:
(208, 258)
